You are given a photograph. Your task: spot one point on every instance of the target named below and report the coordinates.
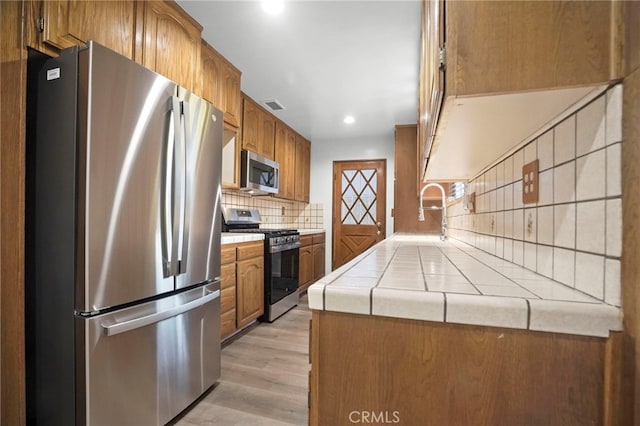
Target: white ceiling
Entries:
(323, 60)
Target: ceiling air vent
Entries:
(274, 105)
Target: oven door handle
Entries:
(284, 247)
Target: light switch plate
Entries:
(530, 183)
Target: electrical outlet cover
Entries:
(530, 182)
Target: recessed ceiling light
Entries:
(273, 7)
(349, 119)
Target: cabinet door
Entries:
(303, 165)
(171, 43)
(318, 261)
(251, 121)
(221, 84)
(212, 76)
(70, 23)
(285, 152)
(250, 290)
(232, 105)
(268, 135)
(305, 265)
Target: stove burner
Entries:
(268, 232)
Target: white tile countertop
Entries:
(419, 277)
(239, 237)
(310, 231)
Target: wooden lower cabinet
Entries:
(250, 290)
(318, 256)
(242, 285)
(311, 259)
(228, 291)
(430, 373)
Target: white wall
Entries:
(324, 153)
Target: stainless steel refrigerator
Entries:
(126, 243)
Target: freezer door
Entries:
(145, 364)
(126, 137)
(199, 245)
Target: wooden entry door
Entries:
(359, 205)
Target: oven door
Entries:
(283, 274)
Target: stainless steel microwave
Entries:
(258, 175)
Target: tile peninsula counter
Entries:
(419, 277)
(433, 333)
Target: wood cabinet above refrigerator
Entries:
(509, 68)
(157, 34)
(54, 25)
(169, 42)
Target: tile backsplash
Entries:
(573, 234)
(277, 213)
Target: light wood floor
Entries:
(264, 379)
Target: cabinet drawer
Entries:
(247, 251)
(228, 299)
(228, 323)
(228, 275)
(228, 254)
(306, 240)
(318, 238)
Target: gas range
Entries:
(281, 262)
(248, 221)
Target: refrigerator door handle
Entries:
(166, 196)
(124, 326)
(184, 224)
(177, 199)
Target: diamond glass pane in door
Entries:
(358, 197)
(347, 217)
(370, 217)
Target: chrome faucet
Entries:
(443, 225)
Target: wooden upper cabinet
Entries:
(303, 168)
(251, 126)
(212, 75)
(221, 84)
(293, 154)
(55, 25)
(510, 69)
(233, 101)
(513, 46)
(285, 152)
(169, 42)
(268, 135)
(258, 129)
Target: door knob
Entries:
(379, 224)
